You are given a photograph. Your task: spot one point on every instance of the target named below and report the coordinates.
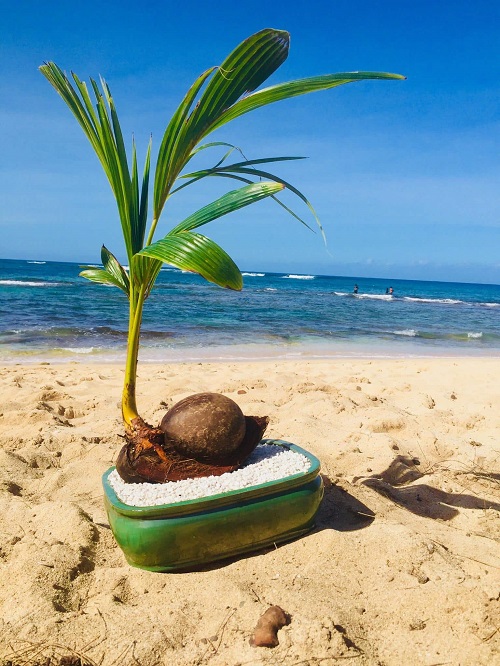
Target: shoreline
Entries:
(241, 353)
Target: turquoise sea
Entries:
(47, 312)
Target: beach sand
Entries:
(402, 568)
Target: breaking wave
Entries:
(28, 283)
(292, 276)
(446, 301)
(375, 297)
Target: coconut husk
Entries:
(149, 458)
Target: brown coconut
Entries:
(208, 427)
(151, 454)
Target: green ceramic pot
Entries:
(190, 534)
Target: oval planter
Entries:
(192, 533)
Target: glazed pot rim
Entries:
(213, 502)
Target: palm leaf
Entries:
(141, 268)
(215, 144)
(228, 203)
(193, 252)
(113, 273)
(197, 175)
(143, 207)
(234, 171)
(117, 161)
(274, 198)
(293, 89)
(83, 112)
(102, 128)
(251, 63)
(114, 268)
(289, 186)
(102, 277)
(166, 164)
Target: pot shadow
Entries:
(341, 511)
(422, 499)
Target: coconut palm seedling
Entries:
(179, 449)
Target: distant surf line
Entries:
(417, 299)
(28, 283)
(292, 276)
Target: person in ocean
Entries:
(391, 291)
(355, 290)
(387, 290)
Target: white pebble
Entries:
(267, 463)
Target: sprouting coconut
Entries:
(218, 96)
(205, 434)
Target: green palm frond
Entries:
(217, 168)
(113, 273)
(169, 164)
(196, 253)
(228, 203)
(294, 89)
(193, 252)
(99, 121)
(239, 171)
(245, 68)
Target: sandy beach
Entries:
(402, 567)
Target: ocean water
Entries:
(47, 312)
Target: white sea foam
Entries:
(36, 262)
(475, 335)
(410, 333)
(27, 283)
(267, 463)
(78, 350)
(254, 274)
(446, 301)
(270, 289)
(376, 297)
(491, 305)
(299, 277)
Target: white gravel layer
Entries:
(267, 463)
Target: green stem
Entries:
(152, 231)
(129, 406)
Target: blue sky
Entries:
(405, 176)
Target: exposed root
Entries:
(46, 654)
